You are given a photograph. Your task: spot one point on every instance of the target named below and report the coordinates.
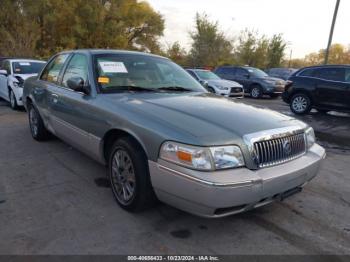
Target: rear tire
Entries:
(36, 124)
(13, 101)
(300, 104)
(256, 92)
(129, 176)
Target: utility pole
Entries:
(290, 57)
(331, 32)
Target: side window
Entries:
(241, 73)
(7, 67)
(334, 74)
(228, 70)
(347, 75)
(307, 72)
(192, 74)
(77, 67)
(52, 70)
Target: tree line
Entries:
(33, 28)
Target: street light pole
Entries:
(331, 32)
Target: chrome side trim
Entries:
(210, 183)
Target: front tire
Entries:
(300, 104)
(211, 90)
(129, 176)
(13, 101)
(36, 124)
(256, 92)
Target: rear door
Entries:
(347, 82)
(227, 73)
(242, 77)
(331, 88)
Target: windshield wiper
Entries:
(133, 88)
(174, 88)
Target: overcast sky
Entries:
(305, 24)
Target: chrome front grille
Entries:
(279, 150)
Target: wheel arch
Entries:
(255, 84)
(112, 135)
(302, 91)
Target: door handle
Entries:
(54, 98)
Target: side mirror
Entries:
(204, 83)
(78, 85)
(3, 72)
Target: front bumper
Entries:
(18, 94)
(273, 89)
(227, 192)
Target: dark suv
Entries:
(322, 87)
(255, 81)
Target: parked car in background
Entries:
(13, 72)
(215, 84)
(2, 58)
(325, 88)
(255, 81)
(162, 135)
(282, 73)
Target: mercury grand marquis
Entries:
(163, 137)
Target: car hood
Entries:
(223, 83)
(208, 119)
(269, 78)
(24, 76)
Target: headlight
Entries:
(202, 158)
(310, 137)
(17, 84)
(270, 82)
(221, 87)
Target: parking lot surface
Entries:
(57, 201)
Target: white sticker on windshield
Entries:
(113, 67)
(24, 64)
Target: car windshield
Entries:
(207, 75)
(255, 72)
(115, 72)
(27, 67)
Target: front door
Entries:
(72, 115)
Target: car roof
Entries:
(196, 69)
(323, 66)
(233, 66)
(26, 60)
(110, 51)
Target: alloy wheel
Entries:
(33, 121)
(12, 99)
(123, 177)
(255, 92)
(300, 104)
